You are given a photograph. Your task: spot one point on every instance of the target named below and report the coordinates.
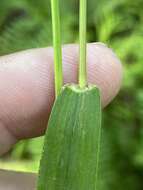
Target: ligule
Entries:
(72, 141)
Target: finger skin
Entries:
(10, 180)
(27, 86)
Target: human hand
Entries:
(27, 87)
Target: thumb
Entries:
(27, 86)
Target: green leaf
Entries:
(72, 141)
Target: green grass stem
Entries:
(82, 39)
(57, 46)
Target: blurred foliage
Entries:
(27, 24)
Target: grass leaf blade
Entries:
(71, 149)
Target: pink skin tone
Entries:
(27, 87)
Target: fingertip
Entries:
(27, 93)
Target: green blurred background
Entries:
(118, 23)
